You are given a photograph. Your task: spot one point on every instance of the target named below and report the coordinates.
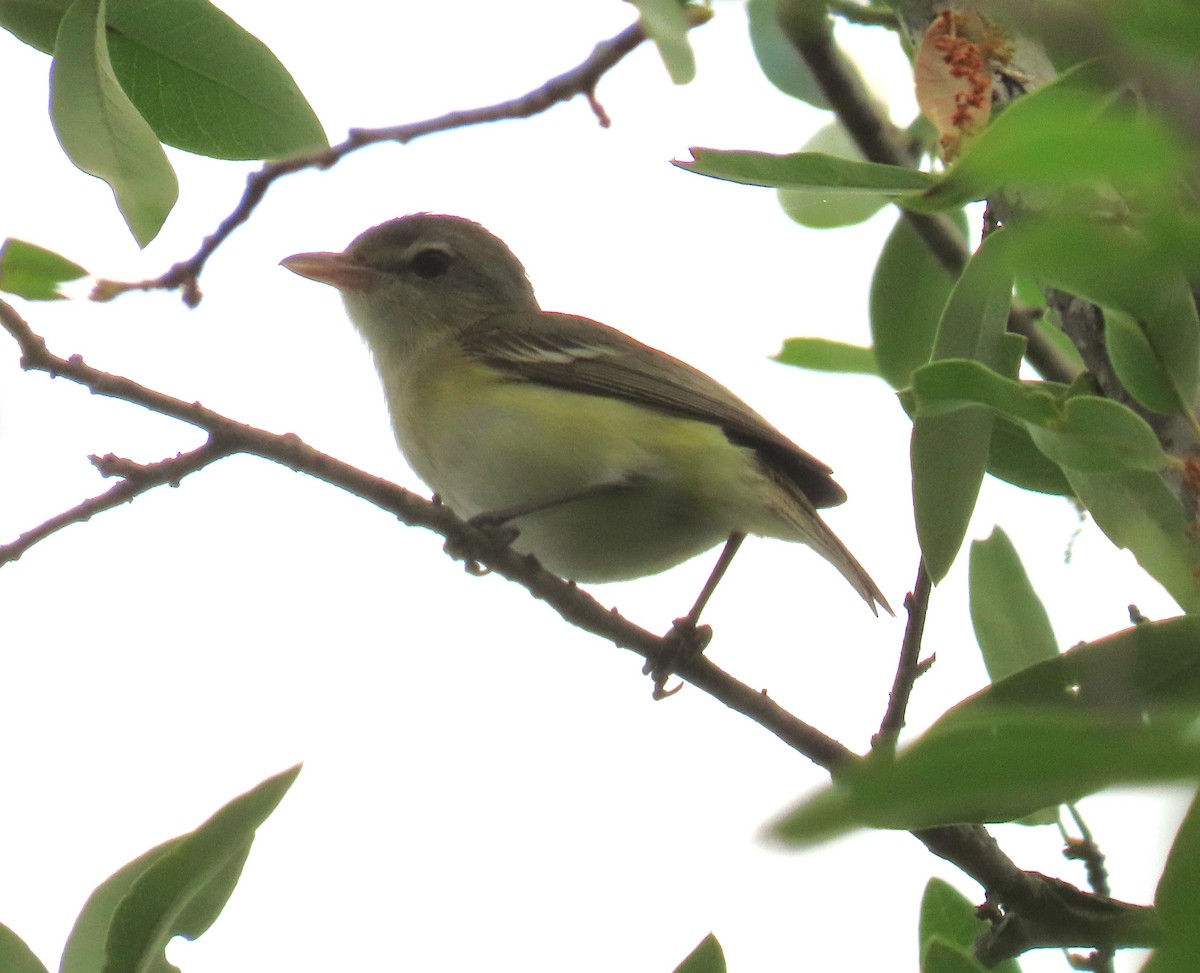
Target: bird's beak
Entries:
(337, 269)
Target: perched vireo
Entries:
(611, 460)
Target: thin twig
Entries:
(137, 479)
(909, 668)
(1086, 849)
(580, 80)
(970, 847)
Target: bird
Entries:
(604, 458)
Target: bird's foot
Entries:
(494, 534)
(684, 642)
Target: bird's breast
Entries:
(485, 443)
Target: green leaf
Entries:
(949, 453)
(823, 355)
(1107, 262)
(86, 949)
(944, 386)
(1010, 621)
(976, 317)
(34, 273)
(1095, 435)
(940, 956)
(1137, 673)
(947, 913)
(100, 130)
(1014, 458)
(1172, 330)
(1120, 269)
(1133, 359)
(995, 765)
(15, 956)
(1143, 672)
(1010, 353)
(813, 170)
(1119, 710)
(777, 56)
(182, 891)
(203, 83)
(909, 291)
(1137, 511)
(1028, 291)
(1169, 28)
(948, 917)
(208, 86)
(1178, 899)
(707, 957)
(666, 25)
(1061, 137)
(34, 23)
(1081, 432)
(1052, 331)
(823, 208)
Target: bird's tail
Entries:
(803, 518)
(826, 543)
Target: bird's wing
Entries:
(585, 356)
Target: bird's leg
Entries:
(714, 579)
(495, 523)
(686, 638)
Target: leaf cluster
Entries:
(128, 77)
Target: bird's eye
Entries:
(432, 262)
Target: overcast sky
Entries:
(483, 787)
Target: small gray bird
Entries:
(610, 459)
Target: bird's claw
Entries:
(473, 567)
(496, 535)
(684, 642)
(496, 527)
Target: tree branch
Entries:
(580, 80)
(909, 668)
(137, 479)
(1057, 914)
(228, 436)
(969, 847)
(1086, 849)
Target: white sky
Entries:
(483, 786)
